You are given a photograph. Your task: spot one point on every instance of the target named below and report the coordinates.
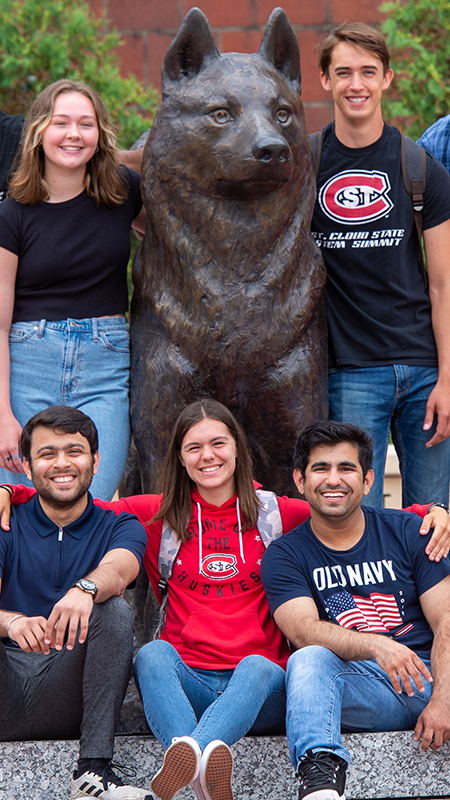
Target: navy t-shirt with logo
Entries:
(378, 305)
(373, 587)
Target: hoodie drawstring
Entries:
(241, 545)
(199, 523)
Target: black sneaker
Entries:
(104, 784)
(322, 776)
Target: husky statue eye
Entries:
(283, 115)
(221, 116)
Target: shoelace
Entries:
(317, 767)
(110, 777)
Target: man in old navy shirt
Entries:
(67, 633)
(352, 589)
(389, 329)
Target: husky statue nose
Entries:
(271, 150)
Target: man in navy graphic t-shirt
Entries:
(369, 613)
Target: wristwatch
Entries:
(439, 505)
(87, 586)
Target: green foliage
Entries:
(42, 41)
(418, 35)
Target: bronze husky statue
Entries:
(228, 299)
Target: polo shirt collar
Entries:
(44, 526)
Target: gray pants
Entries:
(71, 693)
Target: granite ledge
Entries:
(384, 765)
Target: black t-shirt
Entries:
(377, 303)
(73, 256)
(10, 133)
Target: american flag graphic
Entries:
(377, 613)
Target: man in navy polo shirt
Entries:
(67, 633)
(368, 612)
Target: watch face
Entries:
(88, 586)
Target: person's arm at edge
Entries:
(10, 428)
(433, 725)
(436, 519)
(131, 158)
(143, 506)
(437, 248)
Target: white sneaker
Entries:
(181, 766)
(216, 769)
(105, 786)
(198, 790)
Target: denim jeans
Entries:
(383, 399)
(326, 694)
(82, 363)
(209, 704)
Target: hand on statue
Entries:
(438, 520)
(401, 664)
(433, 725)
(28, 633)
(438, 403)
(69, 613)
(10, 431)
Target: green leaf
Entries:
(42, 41)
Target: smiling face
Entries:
(208, 453)
(71, 137)
(334, 485)
(61, 467)
(356, 80)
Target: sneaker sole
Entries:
(324, 794)
(218, 772)
(178, 770)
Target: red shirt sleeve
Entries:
(21, 494)
(293, 512)
(421, 511)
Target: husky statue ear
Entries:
(279, 46)
(192, 46)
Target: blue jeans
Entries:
(209, 704)
(326, 694)
(82, 363)
(383, 399)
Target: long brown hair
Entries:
(103, 179)
(176, 507)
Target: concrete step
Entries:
(384, 765)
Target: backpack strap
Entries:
(168, 551)
(270, 524)
(316, 144)
(270, 527)
(414, 171)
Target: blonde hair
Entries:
(103, 179)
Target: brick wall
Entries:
(147, 27)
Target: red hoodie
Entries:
(217, 612)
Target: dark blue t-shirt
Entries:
(373, 587)
(39, 562)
